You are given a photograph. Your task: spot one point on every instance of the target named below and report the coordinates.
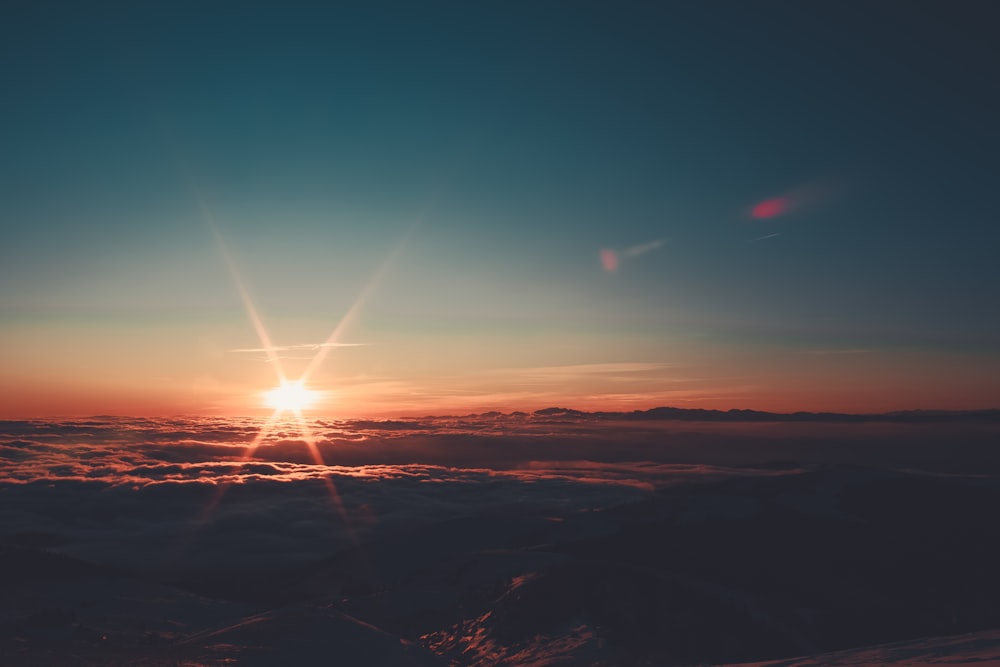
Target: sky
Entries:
(498, 206)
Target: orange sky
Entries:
(193, 367)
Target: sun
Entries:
(291, 396)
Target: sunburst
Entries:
(292, 396)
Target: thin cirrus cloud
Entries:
(302, 346)
(601, 368)
(598, 374)
(273, 349)
(526, 388)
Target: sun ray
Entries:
(248, 452)
(209, 220)
(352, 312)
(317, 457)
(331, 488)
(248, 305)
(290, 396)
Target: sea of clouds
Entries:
(152, 493)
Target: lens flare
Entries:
(609, 260)
(770, 208)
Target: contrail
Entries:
(767, 236)
(642, 248)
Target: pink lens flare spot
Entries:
(770, 208)
(609, 260)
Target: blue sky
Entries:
(509, 143)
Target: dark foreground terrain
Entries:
(154, 543)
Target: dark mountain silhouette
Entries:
(736, 415)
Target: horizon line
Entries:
(678, 414)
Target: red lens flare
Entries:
(609, 260)
(770, 208)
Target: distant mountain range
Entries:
(698, 414)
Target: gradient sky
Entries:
(771, 205)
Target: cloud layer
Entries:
(149, 493)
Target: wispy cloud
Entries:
(302, 346)
(523, 387)
(593, 369)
